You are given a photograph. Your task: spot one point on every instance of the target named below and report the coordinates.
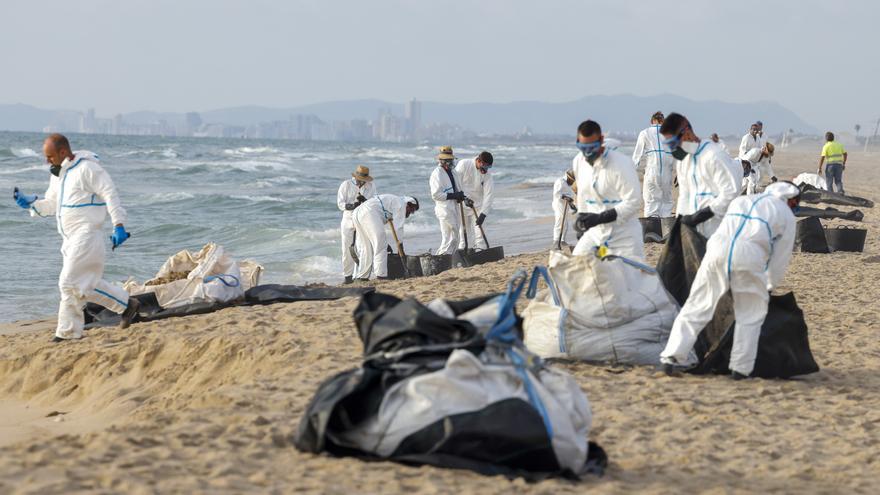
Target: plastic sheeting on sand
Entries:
(783, 348)
(98, 316)
(451, 385)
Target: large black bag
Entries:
(812, 195)
(783, 348)
(810, 236)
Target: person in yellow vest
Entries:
(834, 157)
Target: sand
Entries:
(209, 403)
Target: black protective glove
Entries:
(773, 179)
(455, 196)
(481, 219)
(586, 221)
(469, 202)
(351, 206)
(566, 197)
(361, 198)
(389, 249)
(400, 249)
(697, 218)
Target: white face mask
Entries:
(689, 146)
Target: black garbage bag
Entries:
(403, 341)
(783, 348)
(810, 236)
(812, 195)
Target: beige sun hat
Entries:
(362, 173)
(446, 153)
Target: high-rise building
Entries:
(413, 114)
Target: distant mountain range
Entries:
(620, 113)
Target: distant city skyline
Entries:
(811, 56)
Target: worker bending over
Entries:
(369, 222)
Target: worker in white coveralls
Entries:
(708, 179)
(564, 208)
(369, 222)
(748, 255)
(478, 185)
(608, 198)
(758, 158)
(755, 140)
(659, 169)
(448, 199)
(352, 193)
(80, 195)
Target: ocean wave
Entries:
(169, 197)
(247, 150)
(258, 199)
(391, 155)
(544, 179)
(275, 181)
(13, 171)
(313, 268)
(166, 153)
(22, 152)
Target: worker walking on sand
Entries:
(708, 179)
(834, 158)
(608, 198)
(659, 169)
(80, 195)
(369, 222)
(352, 193)
(448, 198)
(564, 209)
(748, 255)
(478, 185)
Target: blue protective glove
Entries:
(23, 200)
(119, 236)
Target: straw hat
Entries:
(362, 173)
(446, 153)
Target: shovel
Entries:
(463, 226)
(481, 229)
(352, 250)
(399, 250)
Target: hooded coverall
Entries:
(347, 194)
(659, 168)
(447, 211)
(480, 188)
(708, 178)
(748, 255)
(369, 221)
(80, 198)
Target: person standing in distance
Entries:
(608, 198)
(478, 185)
(445, 186)
(708, 179)
(80, 195)
(352, 193)
(834, 158)
(659, 169)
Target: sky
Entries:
(818, 58)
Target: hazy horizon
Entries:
(120, 57)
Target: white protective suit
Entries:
(748, 255)
(762, 169)
(481, 189)
(447, 212)
(369, 221)
(759, 162)
(611, 182)
(80, 198)
(348, 192)
(708, 178)
(659, 168)
(561, 209)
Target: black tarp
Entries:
(783, 348)
(812, 195)
(852, 215)
(98, 316)
(402, 339)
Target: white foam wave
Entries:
(258, 199)
(247, 150)
(14, 171)
(392, 155)
(544, 179)
(314, 268)
(23, 152)
(275, 181)
(168, 197)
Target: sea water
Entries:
(266, 200)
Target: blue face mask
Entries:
(588, 149)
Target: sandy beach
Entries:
(210, 403)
